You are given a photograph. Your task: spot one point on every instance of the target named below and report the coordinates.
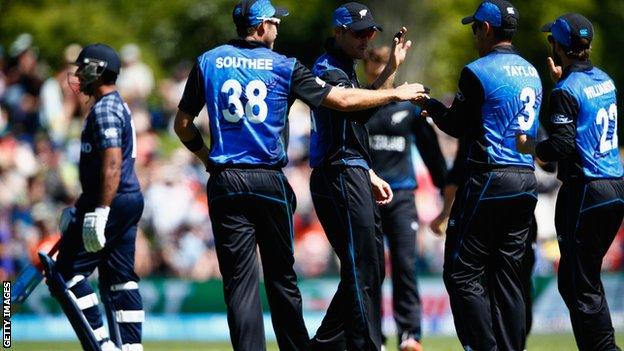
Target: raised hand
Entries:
(399, 49)
(555, 71)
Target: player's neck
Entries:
(103, 90)
(567, 62)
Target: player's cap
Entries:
(355, 16)
(252, 12)
(100, 53)
(571, 30)
(498, 13)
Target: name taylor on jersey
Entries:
(521, 71)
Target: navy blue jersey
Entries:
(499, 96)
(247, 89)
(108, 125)
(596, 122)
(338, 138)
(394, 129)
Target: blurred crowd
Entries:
(40, 123)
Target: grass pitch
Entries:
(559, 342)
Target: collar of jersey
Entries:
(579, 66)
(333, 50)
(247, 44)
(503, 49)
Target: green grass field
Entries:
(536, 343)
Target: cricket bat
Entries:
(28, 279)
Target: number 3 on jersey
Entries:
(527, 96)
(255, 109)
(606, 118)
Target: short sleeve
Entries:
(193, 98)
(305, 86)
(109, 124)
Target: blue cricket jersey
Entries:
(247, 89)
(592, 111)
(512, 99)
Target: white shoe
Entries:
(410, 345)
(109, 346)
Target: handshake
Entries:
(414, 92)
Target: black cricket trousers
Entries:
(399, 221)
(587, 217)
(346, 208)
(252, 208)
(484, 252)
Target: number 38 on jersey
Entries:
(250, 105)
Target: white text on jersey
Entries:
(521, 71)
(597, 90)
(245, 63)
(388, 143)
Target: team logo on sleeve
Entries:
(560, 119)
(111, 133)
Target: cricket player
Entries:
(582, 127)
(102, 232)
(345, 188)
(394, 129)
(248, 89)
(499, 96)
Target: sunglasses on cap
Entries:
(272, 20)
(368, 33)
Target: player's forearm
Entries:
(385, 80)
(358, 99)
(111, 175)
(190, 136)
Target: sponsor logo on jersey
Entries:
(560, 119)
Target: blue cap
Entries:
(571, 30)
(252, 12)
(355, 16)
(101, 53)
(498, 13)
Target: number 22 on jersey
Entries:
(606, 118)
(255, 109)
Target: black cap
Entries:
(498, 13)
(252, 12)
(101, 53)
(571, 30)
(355, 16)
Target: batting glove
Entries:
(67, 216)
(93, 229)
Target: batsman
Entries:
(102, 231)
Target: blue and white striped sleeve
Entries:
(109, 124)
